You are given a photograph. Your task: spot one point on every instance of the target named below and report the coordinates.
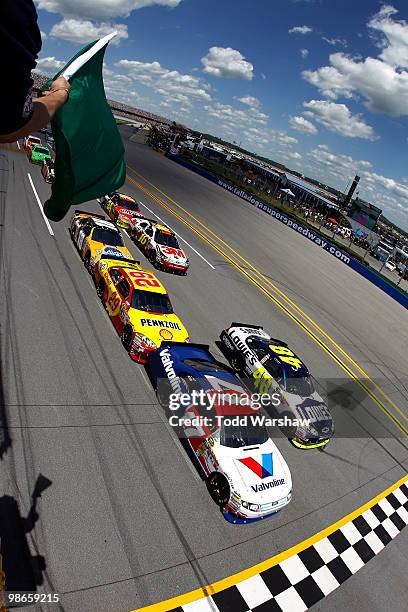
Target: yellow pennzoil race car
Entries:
(93, 236)
(138, 306)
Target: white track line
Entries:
(181, 238)
(18, 144)
(47, 223)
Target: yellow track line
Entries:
(271, 284)
(225, 583)
(278, 303)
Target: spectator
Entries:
(20, 43)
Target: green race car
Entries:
(39, 154)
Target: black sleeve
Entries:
(20, 43)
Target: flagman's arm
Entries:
(44, 109)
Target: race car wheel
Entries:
(219, 489)
(100, 288)
(87, 262)
(127, 337)
(152, 258)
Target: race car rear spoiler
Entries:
(118, 258)
(91, 214)
(235, 324)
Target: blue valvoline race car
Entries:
(210, 408)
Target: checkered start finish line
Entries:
(300, 581)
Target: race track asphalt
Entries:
(126, 521)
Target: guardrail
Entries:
(314, 236)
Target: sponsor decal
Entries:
(245, 350)
(264, 469)
(157, 323)
(170, 371)
(113, 251)
(166, 334)
(313, 411)
(126, 211)
(103, 266)
(268, 485)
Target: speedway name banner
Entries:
(89, 150)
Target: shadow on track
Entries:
(23, 571)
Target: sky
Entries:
(319, 85)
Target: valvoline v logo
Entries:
(264, 470)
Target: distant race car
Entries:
(48, 170)
(160, 245)
(29, 141)
(138, 306)
(94, 236)
(245, 472)
(270, 366)
(38, 154)
(120, 208)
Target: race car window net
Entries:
(237, 436)
(299, 385)
(202, 365)
(166, 240)
(151, 302)
(123, 288)
(107, 237)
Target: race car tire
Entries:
(100, 289)
(87, 262)
(219, 488)
(127, 337)
(152, 258)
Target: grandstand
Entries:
(119, 109)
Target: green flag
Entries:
(89, 150)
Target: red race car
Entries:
(121, 208)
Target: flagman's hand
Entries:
(44, 109)
(59, 85)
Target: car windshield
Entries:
(128, 204)
(248, 434)
(166, 239)
(107, 236)
(299, 385)
(151, 302)
(42, 150)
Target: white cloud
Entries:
(304, 29)
(49, 65)
(334, 42)
(249, 101)
(393, 37)
(263, 76)
(83, 30)
(43, 35)
(99, 9)
(304, 52)
(338, 118)
(228, 63)
(382, 81)
(234, 117)
(302, 125)
(164, 81)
